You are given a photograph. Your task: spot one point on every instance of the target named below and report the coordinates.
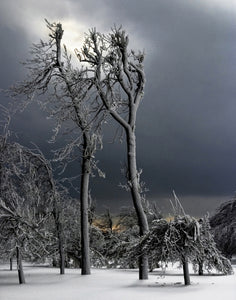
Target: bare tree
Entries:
(25, 208)
(119, 78)
(28, 200)
(30, 205)
(71, 102)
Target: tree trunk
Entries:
(143, 266)
(60, 235)
(21, 275)
(200, 268)
(54, 262)
(133, 178)
(61, 253)
(61, 243)
(186, 270)
(84, 207)
(11, 263)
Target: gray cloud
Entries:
(186, 123)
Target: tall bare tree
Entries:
(71, 102)
(118, 75)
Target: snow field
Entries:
(45, 283)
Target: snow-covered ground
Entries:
(44, 283)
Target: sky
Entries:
(186, 124)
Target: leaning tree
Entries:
(72, 102)
(118, 75)
(26, 203)
(29, 201)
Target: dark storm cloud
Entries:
(186, 123)
(186, 126)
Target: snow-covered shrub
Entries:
(223, 224)
(208, 255)
(183, 239)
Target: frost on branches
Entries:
(183, 239)
(223, 224)
(109, 82)
(25, 203)
(118, 76)
(28, 201)
(69, 96)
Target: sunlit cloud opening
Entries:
(73, 35)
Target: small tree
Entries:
(30, 205)
(69, 216)
(24, 207)
(127, 218)
(105, 222)
(208, 256)
(27, 200)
